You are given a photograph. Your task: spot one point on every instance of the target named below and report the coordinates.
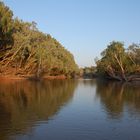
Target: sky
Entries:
(84, 27)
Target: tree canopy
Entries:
(32, 52)
(120, 63)
(6, 26)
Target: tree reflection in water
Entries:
(24, 102)
(116, 97)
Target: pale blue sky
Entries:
(84, 27)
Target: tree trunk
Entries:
(121, 67)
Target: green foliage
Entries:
(34, 52)
(6, 27)
(108, 56)
(118, 61)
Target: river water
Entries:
(69, 110)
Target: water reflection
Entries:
(72, 109)
(24, 102)
(118, 98)
(87, 83)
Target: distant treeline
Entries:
(88, 72)
(24, 50)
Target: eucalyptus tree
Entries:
(6, 27)
(120, 63)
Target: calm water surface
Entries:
(69, 110)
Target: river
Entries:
(69, 110)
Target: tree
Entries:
(113, 60)
(6, 27)
(134, 53)
(36, 53)
(117, 63)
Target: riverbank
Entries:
(31, 77)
